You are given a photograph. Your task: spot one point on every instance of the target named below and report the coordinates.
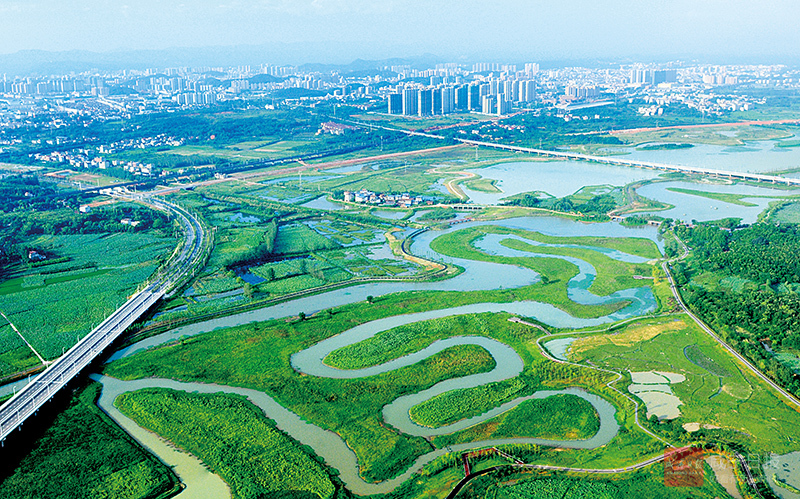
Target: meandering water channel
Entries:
(478, 276)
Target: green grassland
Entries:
(482, 185)
(647, 483)
(559, 417)
(257, 356)
(254, 463)
(718, 196)
(55, 305)
(85, 454)
(716, 390)
(612, 275)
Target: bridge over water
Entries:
(36, 393)
(615, 160)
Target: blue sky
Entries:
(532, 29)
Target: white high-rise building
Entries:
(448, 100)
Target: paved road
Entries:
(786, 396)
(35, 394)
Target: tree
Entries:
(370, 299)
(301, 316)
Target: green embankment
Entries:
(85, 454)
(255, 463)
(483, 185)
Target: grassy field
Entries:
(561, 417)
(257, 356)
(716, 391)
(85, 454)
(256, 463)
(483, 185)
(55, 305)
(647, 483)
(725, 197)
(612, 274)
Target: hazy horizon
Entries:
(345, 30)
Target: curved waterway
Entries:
(478, 276)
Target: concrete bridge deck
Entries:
(614, 160)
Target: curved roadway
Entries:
(788, 397)
(36, 393)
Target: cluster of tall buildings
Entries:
(720, 79)
(653, 76)
(494, 96)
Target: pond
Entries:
(242, 218)
(322, 203)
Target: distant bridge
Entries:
(614, 160)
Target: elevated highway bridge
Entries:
(36, 393)
(615, 160)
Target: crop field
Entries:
(55, 305)
(716, 391)
(261, 461)
(83, 439)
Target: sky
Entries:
(497, 29)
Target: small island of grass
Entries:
(667, 146)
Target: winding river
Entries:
(478, 275)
